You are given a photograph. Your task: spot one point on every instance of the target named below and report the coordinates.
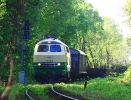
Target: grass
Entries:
(17, 92)
(39, 91)
(108, 88)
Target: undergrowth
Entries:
(108, 88)
(17, 92)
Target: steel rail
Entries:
(63, 94)
(28, 94)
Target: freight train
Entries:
(54, 61)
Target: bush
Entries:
(1, 90)
(119, 69)
(127, 74)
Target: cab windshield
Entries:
(49, 48)
(43, 48)
(55, 48)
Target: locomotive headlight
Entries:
(39, 64)
(49, 42)
(58, 64)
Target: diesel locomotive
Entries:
(54, 61)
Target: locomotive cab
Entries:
(51, 60)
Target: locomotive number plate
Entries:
(48, 60)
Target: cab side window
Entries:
(67, 49)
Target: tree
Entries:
(12, 19)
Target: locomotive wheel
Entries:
(73, 79)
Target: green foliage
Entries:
(100, 89)
(119, 69)
(2, 11)
(10, 28)
(75, 22)
(40, 91)
(127, 14)
(102, 47)
(1, 89)
(127, 8)
(128, 73)
(17, 92)
(113, 88)
(72, 90)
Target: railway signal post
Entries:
(25, 39)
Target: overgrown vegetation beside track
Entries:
(108, 88)
(38, 92)
(17, 92)
(1, 90)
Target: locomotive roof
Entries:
(51, 41)
(75, 51)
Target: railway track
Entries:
(62, 95)
(27, 94)
(54, 95)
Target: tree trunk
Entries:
(108, 58)
(91, 56)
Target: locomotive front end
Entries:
(51, 61)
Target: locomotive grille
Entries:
(50, 64)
